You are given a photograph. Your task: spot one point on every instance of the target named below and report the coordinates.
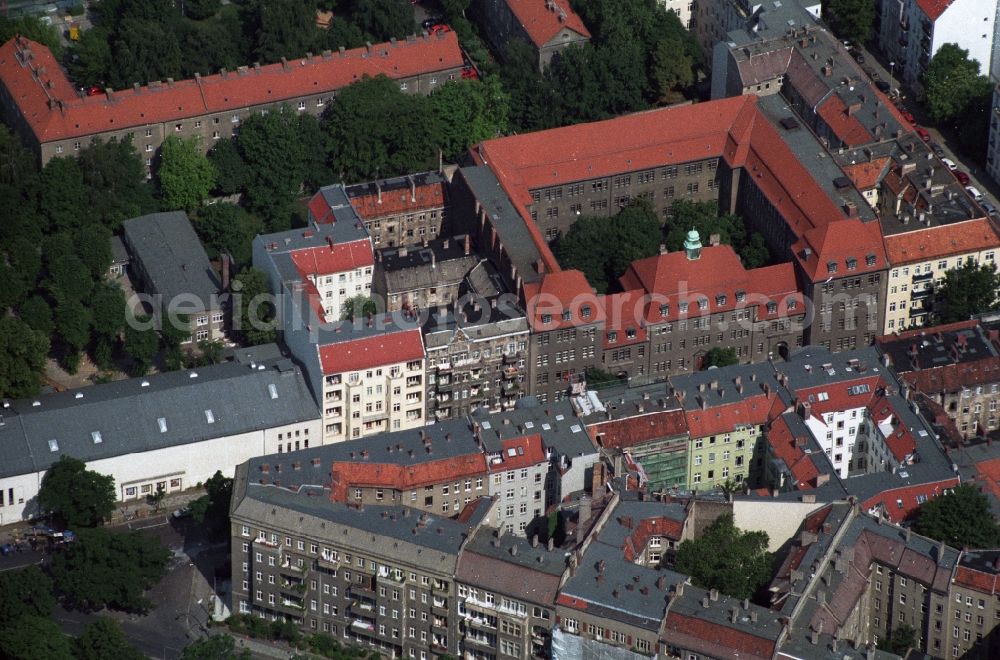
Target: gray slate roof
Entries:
(126, 414)
(560, 428)
(434, 543)
(171, 255)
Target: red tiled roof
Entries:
(942, 241)
(386, 348)
(336, 258)
(634, 430)
(428, 196)
(985, 583)
(844, 125)
(560, 292)
(897, 512)
(75, 116)
(623, 315)
(785, 445)
(988, 476)
(527, 450)
(934, 8)
(867, 174)
(724, 418)
(647, 528)
(674, 278)
(715, 639)
(837, 394)
(542, 23)
(349, 474)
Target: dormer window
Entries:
(546, 318)
(703, 303)
(852, 264)
(720, 300)
(831, 267)
(870, 260)
(566, 316)
(630, 333)
(664, 310)
(612, 337)
(792, 304)
(684, 308)
(772, 307)
(741, 296)
(585, 311)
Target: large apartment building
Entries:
(547, 26)
(401, 211)
(56, 119)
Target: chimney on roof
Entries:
(110, 93)
(413, 187)
(466, 245)
(136, 87)
(342, 51)
(734, 614)
(714, 594)
(539, 266)
(850, 209)
(284, 64)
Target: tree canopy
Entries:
(604, 247)
(951, 83)
(25, 592)
(214, 647)
(850, 19)
(109, 569)
(735, 562)
(256, 317)
(184, 175)
(75, 496)
(34, 637)
(902, 639)
(960, 518)
(102, 639)
(967, 290)
(704, 217)
(720, 356)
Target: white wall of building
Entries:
(837, 433)
(178, 468)
(779, 519)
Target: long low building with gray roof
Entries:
(170, 431)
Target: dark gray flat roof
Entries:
(171, 255)
(123, 417)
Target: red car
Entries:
(908, 116)
(922, 132)
(469, 73)
(94, 90)
(962, 177)
(440, 28)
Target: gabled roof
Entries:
(516, 453)
(387, 197)
(560, 293)
(633, 430)
(55, 110)
(390, 347)
(941, 241)
(543, 20)
(335, 258)
(934, 8)
(347, 475)
(719, 419)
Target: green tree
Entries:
(360, 305)
(115, 176)
(102, 639)
(109, 569)
(228, 228)
(69, 278)
(735, 562)
(73, 328)
(256, 317)
(230, 168)
(63, 200)
(34, 637)
(704, 217)
(603, 247)
(597, 377)
(92, 244)
(37, 313)
(75, 496)
(143, 51)
(214, 647)
(108, 308)
(851, 19)
(201, 9)
(900, 641)
(141, 343)
(378, 131)
(381, 20)
(280, 28)
(33, 28)
(272, 149)
(951, 83)
(25, 592)
(92, 59)
(185, 176)
(960, 518)
(22, 354)
(673, 70)
(720, 357)
(967, 290)
(467, 112)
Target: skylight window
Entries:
(162, 423)
(859, 389)
(823, 396)
(273, 390)
(210, 416)
(53, 445)
(511, 452)
(96, 437)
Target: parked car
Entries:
(936, 148)
(962, 177)
(989, 208)
(974, 193)
(181, 513)
(882, 86)
(430, 22)
(908, 116)
(950, 164)
(94, 90)
(922, 132)
(440, 28)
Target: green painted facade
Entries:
(716, 458)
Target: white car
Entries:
(974, 193)
(950, 163)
